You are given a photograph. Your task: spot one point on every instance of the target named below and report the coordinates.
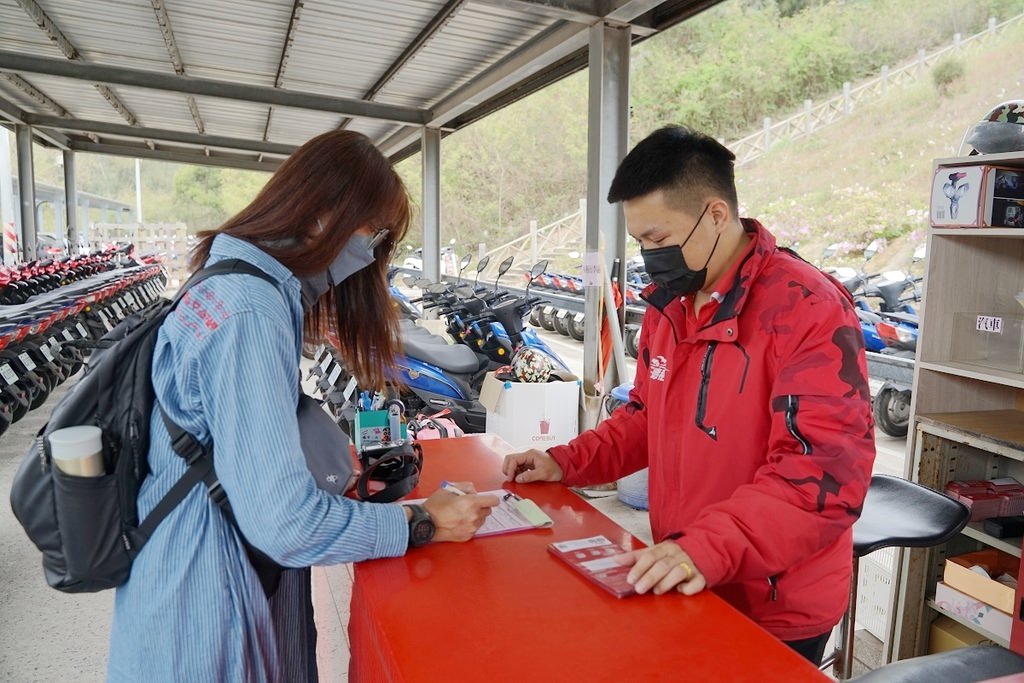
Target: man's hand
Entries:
(456, 518)
(531, 465)
(663, 567)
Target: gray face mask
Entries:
(355, 256)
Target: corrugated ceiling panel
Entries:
(234, 40)
(375, 130)
(157, 109)
(476, 38)
(295, 126)
(344, 50)
(78, 97)
(233, 119)
(111, 32)
(18, 33)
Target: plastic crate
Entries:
(874, 591)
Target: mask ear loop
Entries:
(713, 247)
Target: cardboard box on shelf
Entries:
(975, 611)
(531, 415)
(959, 575)
(947, 635)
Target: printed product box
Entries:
(977, 196)
(975, 611)
(958, 575)
(531, 415)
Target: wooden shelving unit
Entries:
(967, 415)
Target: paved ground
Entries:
(52, 637)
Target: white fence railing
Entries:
(815, 116)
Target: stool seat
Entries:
(901, 513)
(966, 665)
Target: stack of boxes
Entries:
(989, 498)
(979, 587)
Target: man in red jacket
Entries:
(750, 405)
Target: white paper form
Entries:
(512, 513)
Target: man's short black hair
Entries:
(689, 166)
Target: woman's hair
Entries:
(341, 180)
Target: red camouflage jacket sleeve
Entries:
(820, 453)
(618, 446)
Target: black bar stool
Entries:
(966, 665)
(897, 513)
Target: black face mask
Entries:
(667, 266)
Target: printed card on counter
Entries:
(594, 558)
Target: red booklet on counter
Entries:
(594, 558)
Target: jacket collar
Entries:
(732, 289)
(227, 246)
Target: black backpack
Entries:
(88, 528)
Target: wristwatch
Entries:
(421, 526)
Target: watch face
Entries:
(422, 531)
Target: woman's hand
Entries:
(457, 517)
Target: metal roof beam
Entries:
(51, 29)
(578, 11)
(282, 64)
(14, 61)
(14, 115)
(117, 129)
(164, 20)
(182, 157)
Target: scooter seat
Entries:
(407, 328)
(902, 317)
(451, 357)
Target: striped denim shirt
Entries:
(225, 368)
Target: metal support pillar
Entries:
(6, 193)
(83, 224)
(58, 218)
(71, 199)
(432, 203)
(608, 126)
(27, 192)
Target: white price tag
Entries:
(26, 361)
(335, 374)
(54, 345)
(81, 330)
(9, 375)
(46, 352)
(67, 335)
(319, 355)
(988, 323)
(118, 311)
(132, 301)
(325, 363)
(105, 321)
(592, 269)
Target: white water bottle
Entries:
(78, 451)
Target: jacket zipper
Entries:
(791, 408)
(702, 396)
(773, 585)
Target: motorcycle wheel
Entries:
(6, 414)
(632, 342)
(576, 329)
(535, 317)
(18, 409)
(892, 412)
(546, 321)
(561, 324)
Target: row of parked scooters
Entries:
(476, 329)
(46, 337)
(21, 282)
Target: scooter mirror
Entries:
(920, 252)
(503, 268)
(464, 263)
(436, 288)
(538, 269)
(482, 264)
(465, 291)
(871, 250)
(410, 281)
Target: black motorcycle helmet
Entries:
(1001, 130)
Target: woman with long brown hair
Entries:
(225, 368)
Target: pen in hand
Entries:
(451, 488)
